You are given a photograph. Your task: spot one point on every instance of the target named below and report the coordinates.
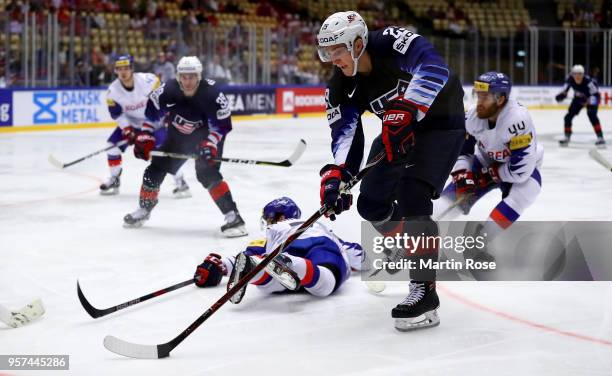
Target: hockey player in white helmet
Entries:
(199, 117)
(397, 75)
(126, 99)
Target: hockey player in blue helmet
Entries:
(501, 152)
(319, 259)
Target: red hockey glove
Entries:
(333, 178)
(489, 176)
(398, 129)
(464, 187)
(143, 144)
(210, 272)
(129, 134)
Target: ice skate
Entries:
(111, 186)
(136, 219)
(564, 142)
(419, 309)
(600, 143)
(280, 269)
(244, 264)
(234, 225)
(181, 190)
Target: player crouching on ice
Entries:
(318, 260)
(126, 99)
(508, 156)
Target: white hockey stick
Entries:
(23, 316)
(596, 155)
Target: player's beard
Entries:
(486, 112)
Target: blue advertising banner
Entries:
(6, 108)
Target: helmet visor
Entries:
(331, 53)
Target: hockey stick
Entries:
(95, 312)
(59, 164)
(593, 153)
(23, 316)
(297, 153)
(163, 350)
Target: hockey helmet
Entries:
(124, 61)
(283, 206)
(342, 28)
(493, 82)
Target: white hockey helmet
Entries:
(342, 28)
(189, 64)
(577, 69)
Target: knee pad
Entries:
(415, 198)
(373, 210)
(208, 176)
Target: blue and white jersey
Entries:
(127, 106)
(511, 142)
(404, 64)
(587, 91)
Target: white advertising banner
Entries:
(42, 107)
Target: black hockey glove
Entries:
(333, 177)
(210, 272)
(398, 129)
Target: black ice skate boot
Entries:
(600, 143)
(244, 264)
(419, 309)
(137, 218)
(111, 186)
(234, 225)
(564, 142)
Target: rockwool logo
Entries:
(288, 101)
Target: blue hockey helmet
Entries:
(493, 82)
(124, 61)
(283, 206)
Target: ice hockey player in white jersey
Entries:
(321, 261)
(501, 152)
(127, 99)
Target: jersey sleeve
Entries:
(416, 56)
(567, 85)
(219, 112)
(156, 104)
(523, 150)
(594, 95)
(344, 118)
(115, 110)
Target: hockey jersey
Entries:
(511, 142)
(126, 106)
(207, 111)
(403, 64)
(587, 92)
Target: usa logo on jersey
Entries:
(185, 126)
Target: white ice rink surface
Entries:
(55, 228)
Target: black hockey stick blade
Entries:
(95, 312)
(134, 350)
(597, 157)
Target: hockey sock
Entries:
(222, 196)
(503, 215)
(597, 129)
(114, 162)
(390, 225)
(148, 196)
(317, 280)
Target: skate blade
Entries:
(601, 147)
(238, 268)
(110, 192)
(426, 320)
(133, 225)
(235, 232)
(182, 194)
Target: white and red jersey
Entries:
(127, 106)
(511, 141)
